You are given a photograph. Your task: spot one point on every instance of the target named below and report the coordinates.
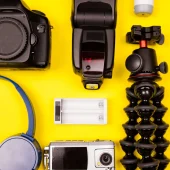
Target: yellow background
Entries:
(60, 82)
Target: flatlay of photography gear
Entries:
(25, 43)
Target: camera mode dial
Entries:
(14, 38)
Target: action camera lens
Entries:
(106, 159)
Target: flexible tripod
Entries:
(145, 97)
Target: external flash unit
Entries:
(143, 7)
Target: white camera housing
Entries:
(143, 7)
(80, 155)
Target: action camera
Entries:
(24, 36)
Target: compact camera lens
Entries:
(106, 159)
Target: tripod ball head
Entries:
(144, 60)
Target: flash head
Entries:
(94, 24)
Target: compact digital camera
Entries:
(24, 36)
(79, 155)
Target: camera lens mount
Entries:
(14, 38)
(106, 159)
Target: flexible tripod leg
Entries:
(145, 109)
(159, 139)
(130, 160)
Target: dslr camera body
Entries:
(24, 36)
(79, 155)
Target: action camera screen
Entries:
(69, 158)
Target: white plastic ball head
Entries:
(144, 7)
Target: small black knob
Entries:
(129, 38)
(108, 75)
(162, 40)
(134, 63)
(163, 67)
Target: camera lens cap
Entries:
(13, 38)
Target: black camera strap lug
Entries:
(94, 25)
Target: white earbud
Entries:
(143, 7)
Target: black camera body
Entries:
(94, 24)
(25, 36)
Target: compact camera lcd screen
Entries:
(69, 158)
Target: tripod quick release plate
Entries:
(150, 34)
